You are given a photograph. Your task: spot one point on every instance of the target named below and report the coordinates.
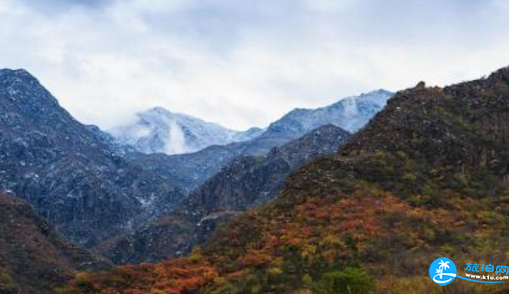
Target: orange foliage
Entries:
(171, 277)
(255, 259)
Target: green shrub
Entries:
(5, 278)
(349, 281)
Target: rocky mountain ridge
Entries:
(73, 179)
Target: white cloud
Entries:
(244, 63)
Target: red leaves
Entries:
(274, 241)
(255, 259)
(305, 231)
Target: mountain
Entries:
(72, 178)
(427, 177)
(245, 183)
(158, 130)
(349, 113)
(256, 179)
(247, 135)
(33, 257)
(108, 140)
(191, 170)
(250, 181)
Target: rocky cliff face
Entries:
(244, 183)
(33, 257)
(70, 176)
(249, 181)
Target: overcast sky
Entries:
(244, 63)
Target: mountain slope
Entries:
(244, 183)
(33, 257)
(70, 176)
(249, 181)
(427, 177)
(158, 130)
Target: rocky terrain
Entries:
(33, 257)
(427, 177)
(245, 183)
(70, 176)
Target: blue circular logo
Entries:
(442, 271)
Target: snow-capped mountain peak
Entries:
(158, 130)
(350, 113)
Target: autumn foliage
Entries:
(171, 277)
